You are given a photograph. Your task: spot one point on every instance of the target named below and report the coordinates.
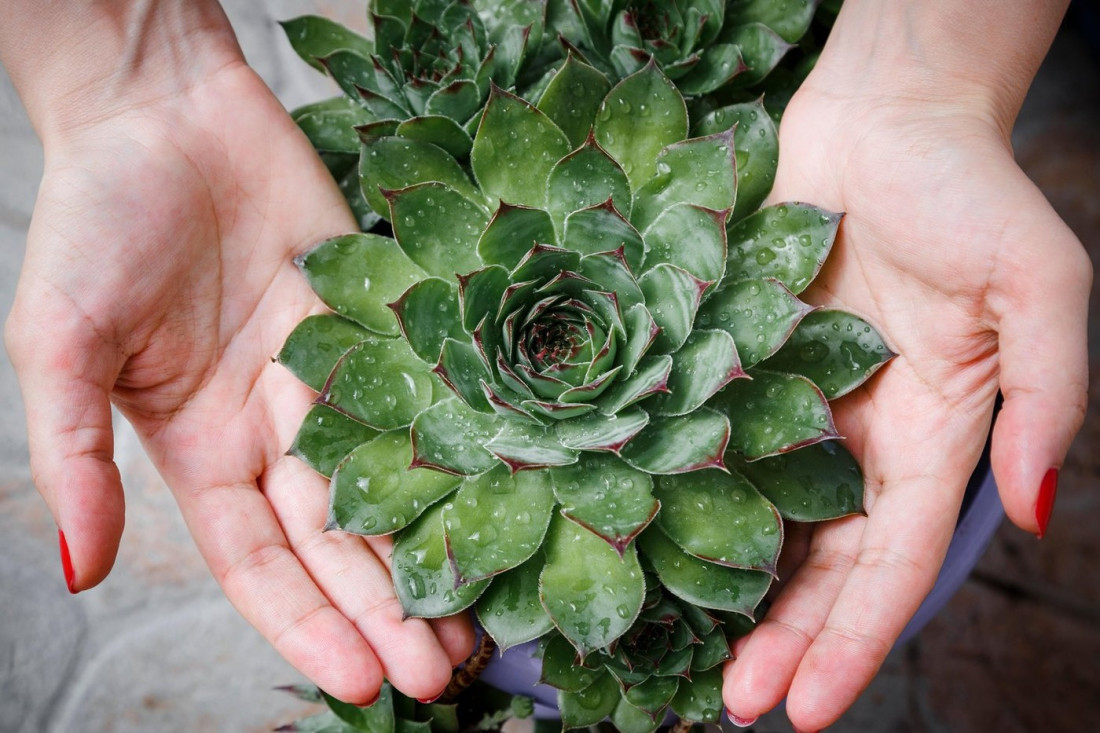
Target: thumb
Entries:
(65, 379)
(1043, 367)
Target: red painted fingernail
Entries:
(66, 562)
(1044, 505)
(372, 700)
(740, 722)
(429, 700)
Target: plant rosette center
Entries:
(593, 433)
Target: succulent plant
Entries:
(579, 386)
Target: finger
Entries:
(1044, 370)
(239, 536)
(358, 583)
(65, 380)
(895, 567)
(766, 660)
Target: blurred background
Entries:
(158, 648)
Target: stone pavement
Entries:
(157, 647)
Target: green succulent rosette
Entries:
(577, 379)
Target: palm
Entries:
(942, 249)
(161, 255)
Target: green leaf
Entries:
(395, 163)
(496, 521)
(510, 610)
(682, 444)
(811, 484)
(428, 315)
(628, 719)
(652, 696)
(776, 413)
(789, 19)
(690, 237)
(330, 124)
(326, 436)
(381, 383)
(721, 518)
(836, 350)
(672, 296)
(599, 432)
(378, 718)
(463, 371)
(700, 698)
(641, 116)
(515, 148)
(422, 575)
(437, 227)
(479, 294)
(756, 148)
(561, 668)
(641, 331)
(601, 228)
(511, 234)
(364, 215)
(367, 83)
(703, 583)
(524, 446)
(591, 592)
(590, 705)
(650, 378)
(718, 64)
(459, 100)
(450, 436)
(313, 37)
(787, 241)
(443, 132)
(374, 492)
(572, 98)
(700, 171)
(761, 50)
(585, 178)
(358, 276)
(316, 344)
(760, 315)
(712, 650)
(706, 363)
(606, 497)
(610, 271)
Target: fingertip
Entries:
(91, 510)
(457, 637)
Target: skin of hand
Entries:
(978, 286)
(158, 277)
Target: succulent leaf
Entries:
(682, 444)
(439, 130)
(640, 116)
(496, 522)
(700, 698)
(821, 481)
(511, 234)
(689, 237)
(313, 37)
(788, 242)
(761, 51)
(700, 171)
(756, 149)
(395, 163)
(463, 370)
(836, 350)
(675, 295)
(606, 497)
(592, 704)
(422, 574)
(585, 178)
(510, 609)
(358, 275)
(703, 583)
(330, 125)
(592, 593)
(597, 431)
(630, 719)
(720, 518)
(760, 315)
(437, 227)
(789, 19)
(653, 695)
(573, 97)
(378, 717)
(777, 413)
(515, 148)
(326, 437)
(450, 436)
(316, 344)
(601, 228)
(562, 669)
(372, 493)
(379, 382)
(706, 363)
(428, 315)
(650, 378)
(522, 446)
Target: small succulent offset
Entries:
(578, 386)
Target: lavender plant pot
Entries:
(517, 670)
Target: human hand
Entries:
(158, 276)
(979, 286)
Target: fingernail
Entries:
(372, 700)
(429, 700)
(66, 562)
(1045, 503)
(740, 722)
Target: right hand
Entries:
(159, 276)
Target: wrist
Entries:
(973, 58)
(76, 63)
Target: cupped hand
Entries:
(158, 276)
(978, 286)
